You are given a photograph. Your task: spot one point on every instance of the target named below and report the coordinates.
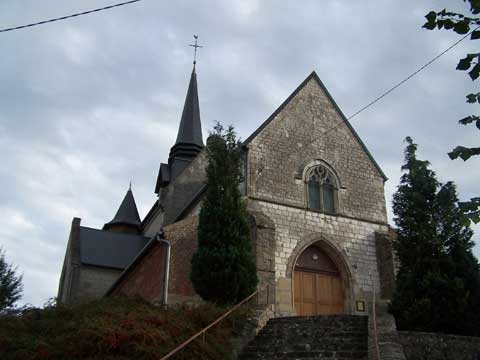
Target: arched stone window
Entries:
(321, 189)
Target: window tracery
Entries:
(321, 189)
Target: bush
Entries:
(113, 328)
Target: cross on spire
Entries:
(195, 46)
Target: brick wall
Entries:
(147, 278)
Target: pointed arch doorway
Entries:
(318, 284)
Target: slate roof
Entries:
(190, 129)
(127, 213)
(109, 249)
(163, 177)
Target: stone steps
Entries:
(335, 337)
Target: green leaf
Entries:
(475, 6)
(475, 72)
(472, 98)
(431, 16)
(461, 27)
(475, 35)
(469, 119)
(465, 63)
(463, 152)
(449, 24)
(429, 25)
(471, 209)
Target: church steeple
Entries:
(189, 138)
(126, 219)
(190, 129)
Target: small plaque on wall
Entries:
(360, 305)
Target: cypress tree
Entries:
(455, 233)
(223, 268)
(417, 247)
(438, 280)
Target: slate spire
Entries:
(126, 219)
(190, 129)
(189, 138)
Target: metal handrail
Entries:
(375, 335)
(205, 329)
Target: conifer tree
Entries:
(455, 234)
(438, 281)
(223, 268)
(11, 287)
(417, 248)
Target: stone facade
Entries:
(68, 279)
(183, 239)
(307, 130)
(94, 281)
(177, 196)
(295, 138)
(386, 264)
(298, 136)
(80, 282)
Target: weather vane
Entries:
(196, 46)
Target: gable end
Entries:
(314, 75)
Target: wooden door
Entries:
(317, 293)
(318, 284)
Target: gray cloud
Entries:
(90, 103)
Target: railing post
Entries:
(203, 337)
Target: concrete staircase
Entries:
(335, 337)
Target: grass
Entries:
(115, 328)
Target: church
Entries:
(315, 197)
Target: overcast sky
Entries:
(90, 103)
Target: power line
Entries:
(408, 77)
(68, 16)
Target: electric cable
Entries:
(69, 16)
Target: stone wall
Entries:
(420, 346)
(386, 265)
(295, 138)
(351, 244)
(184, 242)
(179, 193)
(263, 245)
(94, 281)
(278, 155)
(68, 284)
